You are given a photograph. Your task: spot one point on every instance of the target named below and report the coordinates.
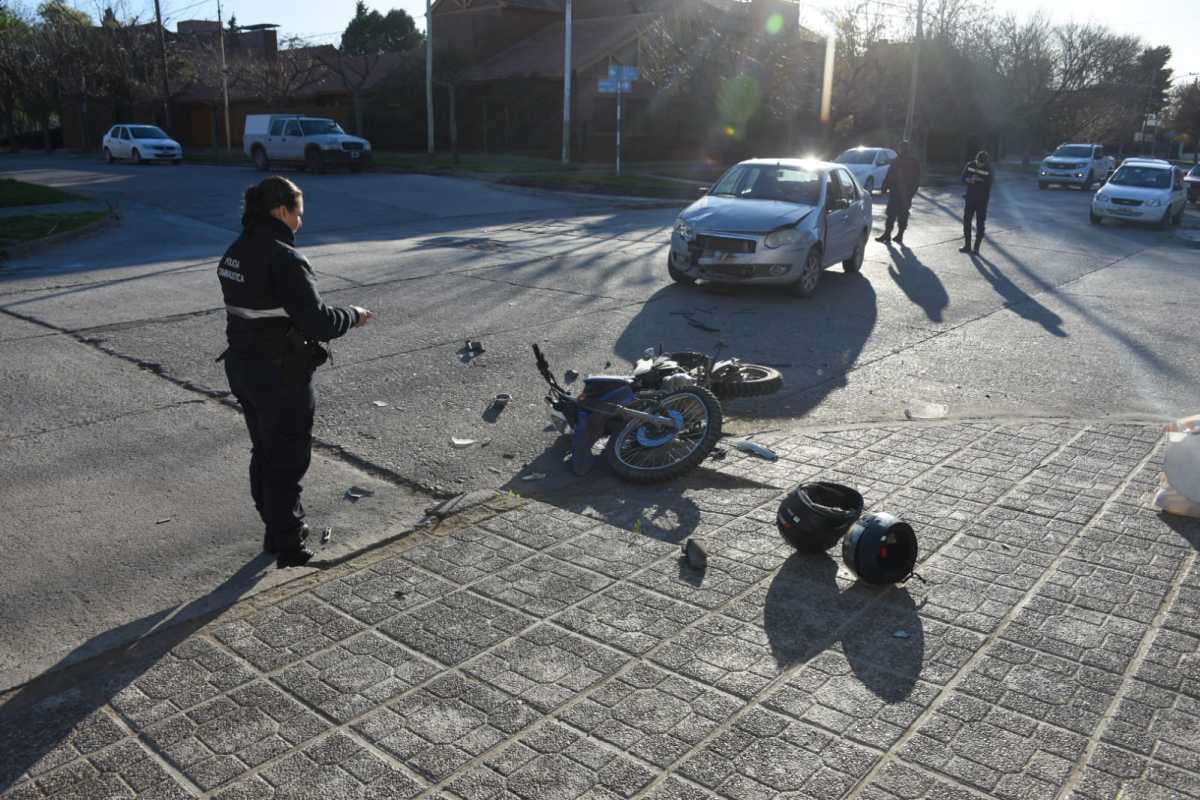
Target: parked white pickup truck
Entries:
(1076, 165)
(314, 142)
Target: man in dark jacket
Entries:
(276, 321)
(977, 175)
(904, 175)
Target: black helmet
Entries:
(881, 549)
(815, 515)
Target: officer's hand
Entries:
(364, 316)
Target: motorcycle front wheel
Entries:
(645, 453)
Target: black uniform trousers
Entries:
(898, 206)
(278, 402)
(977, 210)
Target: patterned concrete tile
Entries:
(440, 728)
(553, 762)
(612, 551)
(383, 590)
(1108, 591)
(190, 673)
(545, 666)
(926, 445)
(1074, 632)
(1112, 773)
(279, 635)
(1112, 550)
(467, 555)
(1149, 717)
(1002, 754)
(1093, 472)
(1042, 495)
(629, 618)
(720, 582)
(355, 676)
(1044, 687)
(964, 601)
(652, 714)
(856, 699)
(219, 740)
(124, 770)
(899, 781)
(1184, 614)
(541, 586)
(1142, 522)
(51, 733)
(1173, 662)
(456, 627)
(538, 526)
(334, 767)
(975, 487)
(753, 541)
(763, 754)
(674, 789)
(936, 518)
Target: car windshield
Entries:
(315, 127)
(771, 182)
(1195, 173)
(147, 132)
(1074, 151)
(857, 156)
(1142, 177)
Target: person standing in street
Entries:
(977, 175)
(904, 175)
(275, 324)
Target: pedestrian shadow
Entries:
(57, 716)
(918, 282)
(808, 611)
(1016, 298)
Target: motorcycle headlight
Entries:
(684, 229)
(781, 237)
(1155, 203)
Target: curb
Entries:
(37, 245)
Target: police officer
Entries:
(977, 175)
(904, 174)
(275, 323)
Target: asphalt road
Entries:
(111, 420)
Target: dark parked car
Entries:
(1192, 180)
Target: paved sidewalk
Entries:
(545, 650)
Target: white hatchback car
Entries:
(869, 164)
(1142, 190)
(140, 143)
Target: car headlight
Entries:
(1155, 203)
(684, 229)
(781, 237)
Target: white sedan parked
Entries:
(1142, 190)
(869, 165)
(140, 143)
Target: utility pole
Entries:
(224, 72)
(162, 51)
(912, 85)
(428, 75)
(566, 143)
(827, 88)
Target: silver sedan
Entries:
(773, 221)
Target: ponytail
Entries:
(261, 199)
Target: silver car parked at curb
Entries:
(773, 221)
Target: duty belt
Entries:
(256, 313)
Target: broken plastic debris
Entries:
(473, 347)
(919, 409)
(534, 476)
(902, 635)
(379, 403)
(695, 554)
(501, 400)
(454, 440)
(358, 492)
(326, 535)
(754, 448)
(162, 521)
(570, 376)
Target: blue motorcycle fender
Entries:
(587, 432)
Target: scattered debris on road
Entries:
(754, 448)
(326, 535)
(162, 521)
(461, 443)
(902, 635)
(919, 409)
(355, 493)
(880, 549)
(570, 376)
(379, 403)
(694, 552)
(534, 476)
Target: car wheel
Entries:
(1095, 218)
(1042, 185)
(177, 161)
(312, 160)
(678, 276)
(137, 157)
(1087, 182)
(261, 162)
(854, 263)
(810, 274)
(108, 156)
(1179, 217)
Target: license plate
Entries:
(732, 270)
(1124, 212)
(354, 154)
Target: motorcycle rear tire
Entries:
(669, 471)
(755, 380)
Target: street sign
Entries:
(617, 72)
(614, 86)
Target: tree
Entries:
(294, 68)
(14, 52)
(1185, 115)
(372, 33)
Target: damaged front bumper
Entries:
(763, 265)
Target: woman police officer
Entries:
(275, 322)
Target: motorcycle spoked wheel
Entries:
(643, 453)
(751, 380)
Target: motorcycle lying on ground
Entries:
(661, 422)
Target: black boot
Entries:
(966, 248)
(886, 238)
(269, 545)
(294, 558)
(978, 241)
(899, 238)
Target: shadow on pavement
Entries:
(918, 282)
(807, 612)
(53, 718)
(1017, 299)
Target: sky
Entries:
(1172, 22)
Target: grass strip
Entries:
(18, 193)
(30, 227)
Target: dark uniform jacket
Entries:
(904, 175)
(978, 178)
(272, 305)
